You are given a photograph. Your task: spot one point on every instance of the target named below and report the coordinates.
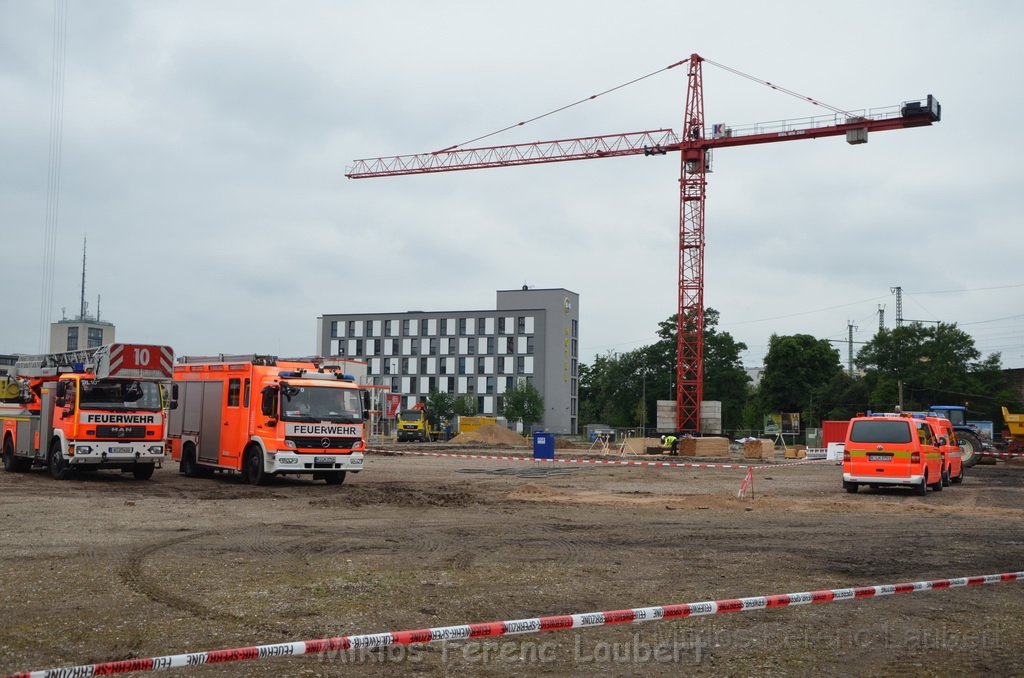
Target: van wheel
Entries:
(57, 465)
(937, 486)
(254, 472)
(850, 487)
(945, 478)
(922, 489)
(960, 478)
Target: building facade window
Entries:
(72, 338)
(94, 338)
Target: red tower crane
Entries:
(694, 145)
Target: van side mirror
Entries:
(942, 441)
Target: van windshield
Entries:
(895, 432)
(321, 403)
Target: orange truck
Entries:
(100, 408)
(263, 417)
(893, 451)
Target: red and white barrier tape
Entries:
(517, 627)
(1002, 455)
(607, 462)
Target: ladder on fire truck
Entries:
(109, 360)
(35, 365)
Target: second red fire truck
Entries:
(263, 417)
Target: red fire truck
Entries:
(264, 416)
(86, 410)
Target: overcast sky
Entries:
(204, 146)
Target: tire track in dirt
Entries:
(132, 573)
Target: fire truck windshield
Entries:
(119, 394)
(320, 403)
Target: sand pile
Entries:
(492, 434)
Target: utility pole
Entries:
(850, 327)
(898, 291)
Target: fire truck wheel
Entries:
(187, 465)
(56, 463)
(254, 473)
(13, 463)
(334, 478)
(143, 471)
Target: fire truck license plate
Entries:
(323, 460)
(121, 450)
(879, 457)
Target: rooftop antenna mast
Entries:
(81, 313)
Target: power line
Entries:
(60, 42)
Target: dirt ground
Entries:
(106, 567)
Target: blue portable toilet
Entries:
(543, 445)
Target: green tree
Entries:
(464, 406)
(523, 402)
(794, 367)
(439, 406)
(935, 365)
(622, 389)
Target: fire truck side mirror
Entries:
(366, 405)
(61, 394)
(174, 397)
(269, 404)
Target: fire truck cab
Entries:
(264, 417)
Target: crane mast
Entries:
(694, 144)
(692, 194)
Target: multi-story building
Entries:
(532, 335)
(82, 332)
